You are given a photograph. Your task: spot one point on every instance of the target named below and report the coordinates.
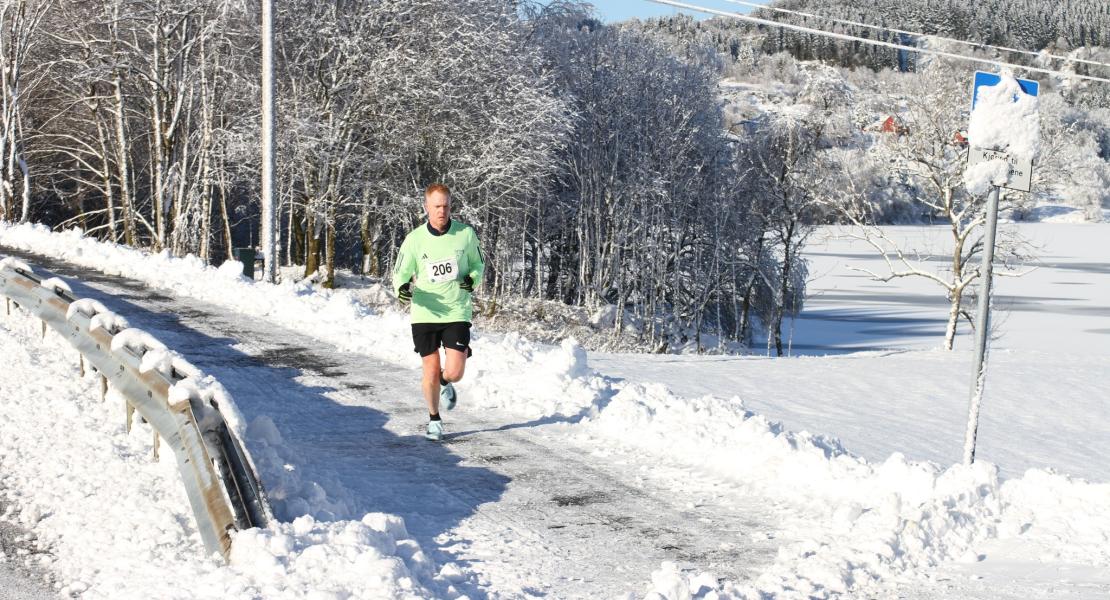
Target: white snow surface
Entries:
(869, 518)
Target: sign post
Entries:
(1019, 178)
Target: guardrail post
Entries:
(130, 414)
(81, 361)
(103, 387)
(157, 442)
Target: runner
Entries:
(437, 269)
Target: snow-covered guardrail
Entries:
(174, 397)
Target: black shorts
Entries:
(428, 337)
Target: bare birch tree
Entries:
(930, 158)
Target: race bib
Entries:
(439, 271)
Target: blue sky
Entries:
(618, 10)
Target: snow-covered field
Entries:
(869, 370)
(866, 505)
(1061, 305)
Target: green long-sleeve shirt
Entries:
(436, 263)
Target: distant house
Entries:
(893, 125)
(890, 124)
(960, 139)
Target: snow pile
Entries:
(10, 262)
(879, 520)
(980, 177)
(866, 544)
(369, 558)
(1067, 518)
(531, 380)
(291, 495)
(56, 285)
(99, 315)
(231, 270)
(721, 436)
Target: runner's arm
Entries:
(474, 259)
(405, 267)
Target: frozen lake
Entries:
(1062, 304)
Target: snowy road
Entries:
(18, 583)
(524, 509)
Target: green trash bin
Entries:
(247, 256)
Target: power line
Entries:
(939, 37)
(852, 38)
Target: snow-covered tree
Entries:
(928, 157)
(649, 214)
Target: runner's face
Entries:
(438, 206)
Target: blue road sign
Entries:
(983, 79)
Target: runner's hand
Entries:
(404, 294)
(467, 284)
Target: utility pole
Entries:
(270, 250)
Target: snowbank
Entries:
(879, 520)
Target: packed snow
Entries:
(874, 505)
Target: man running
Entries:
(437, 269)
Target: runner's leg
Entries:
(456, 365)
(430, 382)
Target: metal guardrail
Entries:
(223, 489)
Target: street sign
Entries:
(1020, 175)
(983, 79)
(1021, 171)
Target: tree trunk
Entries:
(784, 290)
(296, 237)
(123, 166)
(106, 178)
(312, 256)
(25, 170)
(329, 256)
(228, 243)
(953, 319)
